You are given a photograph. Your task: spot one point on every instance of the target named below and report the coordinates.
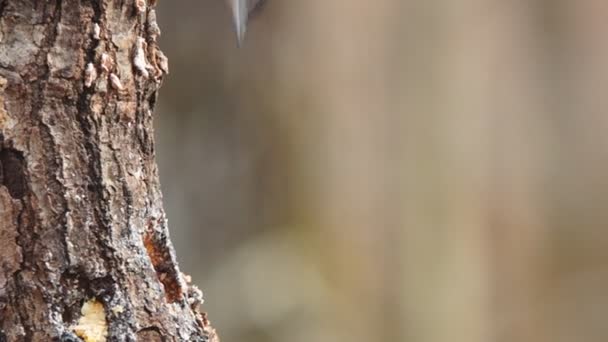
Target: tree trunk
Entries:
(84, 247)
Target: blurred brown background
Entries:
(392, 170)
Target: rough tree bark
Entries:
(84, 247)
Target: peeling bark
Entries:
(84, 247)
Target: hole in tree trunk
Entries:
(12, 172)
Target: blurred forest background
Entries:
(391, 170)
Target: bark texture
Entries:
(84, 247)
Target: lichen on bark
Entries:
(81, 217)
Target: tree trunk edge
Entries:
(85, 252)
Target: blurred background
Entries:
(390, 170)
